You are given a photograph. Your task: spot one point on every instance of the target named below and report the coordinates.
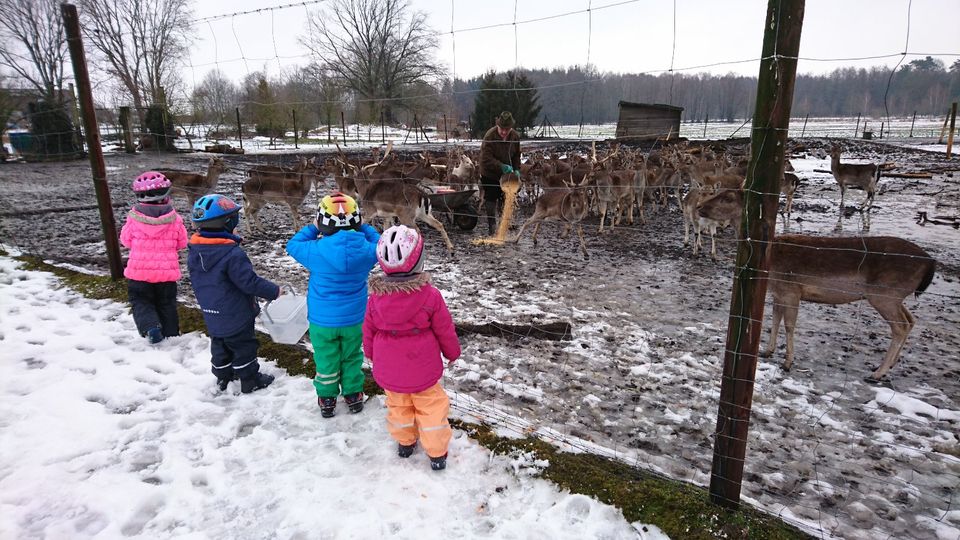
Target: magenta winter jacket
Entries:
(406, 329)
(153, 243)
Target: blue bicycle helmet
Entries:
(216, 212)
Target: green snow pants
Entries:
(338, 356)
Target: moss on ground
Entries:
(681, 510)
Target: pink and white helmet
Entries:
(151, 186)
(400, 250)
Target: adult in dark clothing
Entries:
(499, 155)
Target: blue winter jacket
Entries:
(339, 265)
(225, 283)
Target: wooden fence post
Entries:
(296, 143)
(953, 125)
(856, 129)
(343, 126)
(71, 24)
(913, 122)
(943, 130)
(125, 125)
(781, 43)
(239, 129)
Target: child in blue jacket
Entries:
(339, 252)
(227, 288)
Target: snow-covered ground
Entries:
(104, 436)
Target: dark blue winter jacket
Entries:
(225, 283)
(339, 265)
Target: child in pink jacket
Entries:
(154, 232)
(406, 329)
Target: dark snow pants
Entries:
(492, 199)
(154, 305)
(235, 356)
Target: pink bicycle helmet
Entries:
(151, 186)
(400, 250)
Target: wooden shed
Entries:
(639, 121)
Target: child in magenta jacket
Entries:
(154, 232)
(406, 329)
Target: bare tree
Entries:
(141, 43)
(214, 99)
(33, 44)
(376, 47)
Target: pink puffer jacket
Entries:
(153, 243)
(406, 329)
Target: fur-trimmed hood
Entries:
(380, 286)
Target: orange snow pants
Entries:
(421, 416)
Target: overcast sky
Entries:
(627, 36)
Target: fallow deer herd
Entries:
(880, 270)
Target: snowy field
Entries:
(371, 135)
(640, 378)
(104, 436)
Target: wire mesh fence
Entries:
(636, 377)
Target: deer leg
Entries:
(713, 242)
(776, 319)
(536, 229)
(583, 245)
(603, 213)
(790, 308)
(901, 322)
(524, 226)
(295, 214)
(432, 221)
(686, 230)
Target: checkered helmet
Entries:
(338, 211)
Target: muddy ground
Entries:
(641, 374)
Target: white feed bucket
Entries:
(286, 318)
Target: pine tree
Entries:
(514, 93)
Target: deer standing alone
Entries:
(191, 185)
(883, 270)
(277, 185)
(861, 176)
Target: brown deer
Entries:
(569, 205)
(384, 192)
(192, 186)
(277, 185)
(714, 212)
(861, 176)
(883, 270)
(789, 183)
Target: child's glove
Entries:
(505, 169)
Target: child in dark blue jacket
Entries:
(226, 287)
(339, 263)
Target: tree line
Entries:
(375, 60)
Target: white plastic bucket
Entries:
(286, 318)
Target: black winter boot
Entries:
(327, 406)
(438, 463)
(223, 383)
(405, 450)
(354, 401)
(258, 381)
